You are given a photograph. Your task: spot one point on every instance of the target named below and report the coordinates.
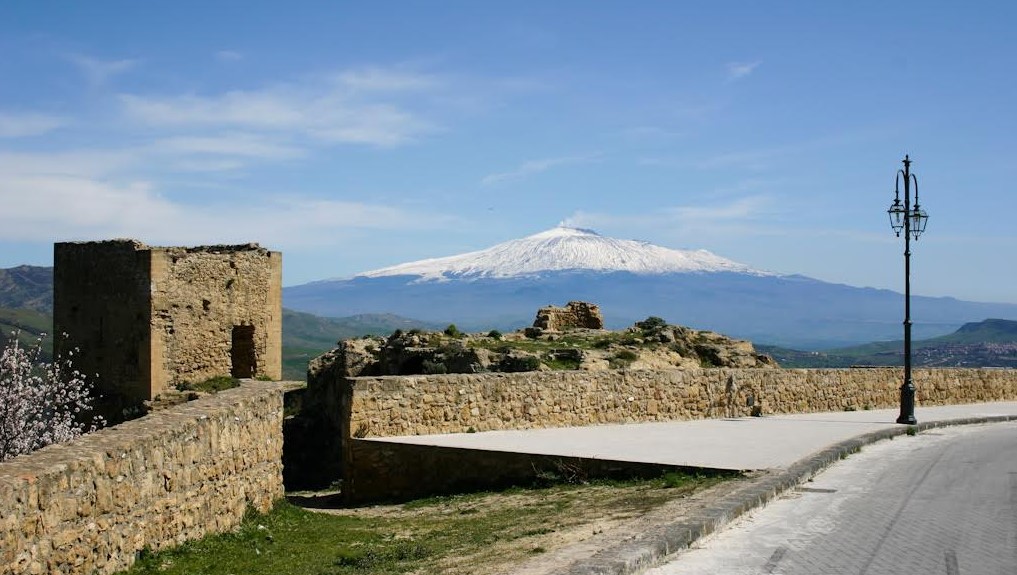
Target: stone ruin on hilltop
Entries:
(575, 315)
(562, 338)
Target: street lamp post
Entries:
(911, 221)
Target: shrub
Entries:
(430, 367)
(514, 364)
(622, 359)
(494, 334)
(453, 331)
(651, 323)
(41, 403)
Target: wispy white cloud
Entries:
(535, 167)
(750, 160)
(707, 216)
(229, 144)
(369, 106)
(42, 205)
(377, 79)
(84, 164)
(738, 70)
(651, 133)
(228, 56)
(29, 124)
(97, 71)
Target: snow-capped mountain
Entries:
(560, 249)
(503, 286)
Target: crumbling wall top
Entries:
(141, 246)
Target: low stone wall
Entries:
(420, 405)
(89, 505)
(381, 470)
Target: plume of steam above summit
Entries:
(563, 249)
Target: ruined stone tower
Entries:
(145, 319)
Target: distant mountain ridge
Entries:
(28, 287)
(989, 343)
(501, 287)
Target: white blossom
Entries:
(40, 402)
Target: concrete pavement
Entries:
(769, 442)
(794, 448)
(940, 502)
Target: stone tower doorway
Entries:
(242, 352)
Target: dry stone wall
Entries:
(87, 506)
(412, 405)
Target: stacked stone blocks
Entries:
(145, 319)
(420, 405)
(89, 505)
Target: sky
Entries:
(354, 136)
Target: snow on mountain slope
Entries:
(564, 248)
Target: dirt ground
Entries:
(578, 522)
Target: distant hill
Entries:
(989, 343)
(306, 336)
(29, 324)
(28, 287)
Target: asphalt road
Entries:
(944, 501)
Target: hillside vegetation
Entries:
(306, 336)
(989, 343)
(649, 344)
(27, 287)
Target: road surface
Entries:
(944, 501)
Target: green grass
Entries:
(29, 324)
(450, 534)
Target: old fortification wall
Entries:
(102, 305)
(90, 504)
(409, 405)
(216, 310)
(147, 318)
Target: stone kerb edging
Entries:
(89, 505)
(652, 547)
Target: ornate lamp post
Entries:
(910, 220)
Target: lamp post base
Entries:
(907, 404)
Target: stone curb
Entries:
(649, 548)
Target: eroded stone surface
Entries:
(575, 315)
(144, 319)
(88, 505)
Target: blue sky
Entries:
(353, 136)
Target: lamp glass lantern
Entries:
(897, 215)
(918, 220)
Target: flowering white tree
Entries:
(40, 402)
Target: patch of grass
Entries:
(563, 363)
(622, 359)
(457, 534)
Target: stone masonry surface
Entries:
(87, 506)
(145, 319)
(420, 405)
(575, 314)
